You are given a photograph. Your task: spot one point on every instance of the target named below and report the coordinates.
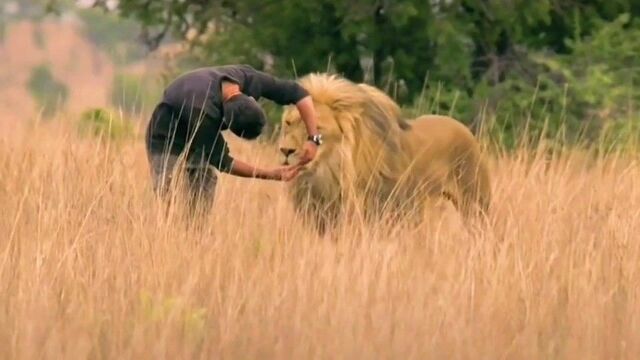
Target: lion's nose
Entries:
(287, 151)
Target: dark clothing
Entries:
(191, 115)
(200, 180)
(170, 130)
(186, 125)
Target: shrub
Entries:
(104, 123)
(133, 93)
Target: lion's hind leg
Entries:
(473, 187)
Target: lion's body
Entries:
(374, 160)
(445, 152)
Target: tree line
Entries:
(569, 66)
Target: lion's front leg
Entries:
(323, 216)
(319, 207)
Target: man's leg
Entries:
(162, 160)
(162, 172)
(202, 180)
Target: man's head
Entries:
(244, 116)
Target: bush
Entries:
(104, 123)
(134, 94)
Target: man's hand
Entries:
(309, 150)
(287, 173)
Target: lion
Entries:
(373, 160)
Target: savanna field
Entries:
(90, 267)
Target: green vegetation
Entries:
(105, 123)
(134, 93)
(584, 95)
(550, 68)
(49, 93)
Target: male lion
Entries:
(374, 160)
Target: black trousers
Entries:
(171, 168)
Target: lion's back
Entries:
(438, 136)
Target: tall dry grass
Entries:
(90, 268)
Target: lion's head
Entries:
(359, 123)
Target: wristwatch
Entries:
(316, 139)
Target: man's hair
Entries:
(244, 116)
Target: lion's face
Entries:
(294, 134)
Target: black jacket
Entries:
(197, 95)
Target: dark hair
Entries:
(244, 116)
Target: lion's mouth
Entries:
(289, 160)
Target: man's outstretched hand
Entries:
(287, 173)
(309, 150)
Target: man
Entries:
(198, 105)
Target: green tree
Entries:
(310, 35)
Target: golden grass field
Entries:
(89, 267)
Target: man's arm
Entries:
(242, 169)
(226, 164)
(222, 160)
(308, 114)
(285, 92)
(289, 92)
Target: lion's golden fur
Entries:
(375, 159)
